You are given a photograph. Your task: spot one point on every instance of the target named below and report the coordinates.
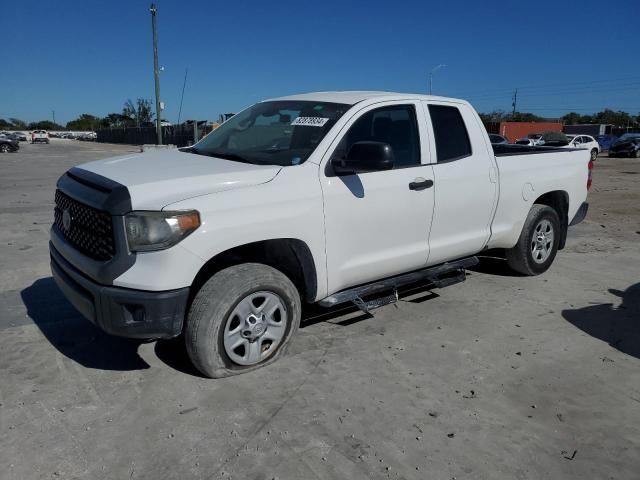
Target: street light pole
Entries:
(156, 73)
(442, 65)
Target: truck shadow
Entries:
(494, 265)
(618, 326)
(81, 341)
(74, 336)
(174, 353)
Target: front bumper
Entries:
(121, 311)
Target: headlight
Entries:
(148, 231)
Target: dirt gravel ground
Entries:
(501, 377)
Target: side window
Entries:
(450, 132)
(395, 125)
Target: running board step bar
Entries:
(432, 275)
(378, 302)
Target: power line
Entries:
(184, 84)
(621, 88)
(544, 86)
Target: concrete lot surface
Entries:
(501, 377)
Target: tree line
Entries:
(138, 114)
(606, 116)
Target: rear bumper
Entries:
(121, 311)
(580, 214)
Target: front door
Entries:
(376, 224)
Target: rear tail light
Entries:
(589, 178)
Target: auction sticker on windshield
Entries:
(310, 121)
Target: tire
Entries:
(4, 148)
(594, 154)
(534, 254)
(636, 154)
(220, 315)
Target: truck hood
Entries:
(160, 177)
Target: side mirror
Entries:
(365, 157)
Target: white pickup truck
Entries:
(321, 198)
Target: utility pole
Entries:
(54, 116)
(442, 65)
(515, 102)
(156, 73)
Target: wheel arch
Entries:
(559, 201)
(290, 256)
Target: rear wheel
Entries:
(4, 148)
(594, 154)
(538, 243)
(242, 319)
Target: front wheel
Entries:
(594, 154)
(636, 154)
(241, 319)
(538, 243)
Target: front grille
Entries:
(90, 230)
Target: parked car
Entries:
(322, 198)
(532, 139)
(9, 135)
(9, 144)
(21, 136)
(497, 139)
(39, 136)
(605, 141)
(628, 145)
(585, 141)
(553, 138)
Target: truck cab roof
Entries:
(353, 97)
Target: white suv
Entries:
(39, 136)
(585, 141)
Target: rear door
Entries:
(377, 223)
(465, 176)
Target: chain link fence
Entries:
(179, 135)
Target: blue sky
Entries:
(81, 56)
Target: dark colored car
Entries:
(554, 139)
(605, 141)
(497, 139)
(628, 145)
(8, 144)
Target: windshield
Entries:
(272, 133)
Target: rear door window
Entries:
(450, 132)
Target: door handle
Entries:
(420, 184)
